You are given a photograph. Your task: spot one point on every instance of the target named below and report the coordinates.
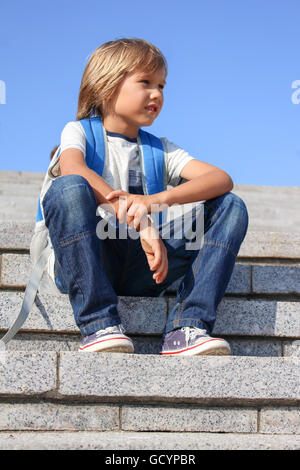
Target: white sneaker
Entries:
(112, 339)
(192, 341)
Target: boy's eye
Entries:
(147, 82)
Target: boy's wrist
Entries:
(161, 198)
(147, 230)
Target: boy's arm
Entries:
(205, 182)
(72, 162)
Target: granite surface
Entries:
(201, 379)
(145, 441)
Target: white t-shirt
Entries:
(122, 165)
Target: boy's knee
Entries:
(70, 188)
(234, 201)
(237, 210)
(63, 183)
(72, 195)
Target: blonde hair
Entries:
(108, 66)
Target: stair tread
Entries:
(148, 315)
(247, 278)
(269, 207)
(117, 377)
(120, 440)
(199, 379)
(16, 234)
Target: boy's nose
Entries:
(155, 94)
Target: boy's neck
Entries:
(120, 127)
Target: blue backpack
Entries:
(152, 166)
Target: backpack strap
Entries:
(39, 213)
(95, 144)
(152, 155)
(29, 295)
(33, 283)
(95, 151)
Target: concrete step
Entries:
(135, 379)
(253, 327)
(247, 278)
(206, 380)
(46, 415)
(75, 400)
(19, 193)
(259, 314)
(190, 403)
(53, 397)
(270, 208)
(16, 235)
(141, 441)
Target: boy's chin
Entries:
(148, 122)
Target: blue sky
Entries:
(228, 99)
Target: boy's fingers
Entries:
(134, 212)
(114, 193)
(157, 260)
(162, 270)
(138, 219)
(137, 210)
(110, 196)
(129, 221)
(122, 210)
(132, 209)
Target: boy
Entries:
(123, 83)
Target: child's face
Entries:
(138, 102)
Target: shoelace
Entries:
(111, 329)
(191, 332)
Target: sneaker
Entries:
(191, 341)
(112, 339)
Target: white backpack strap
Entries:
(29, 295)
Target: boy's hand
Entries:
(151, 242)
(132, 207)
(154, 249)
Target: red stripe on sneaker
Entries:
(102, 341)
(188, 349)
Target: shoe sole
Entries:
(209, 348)
(109, 345)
